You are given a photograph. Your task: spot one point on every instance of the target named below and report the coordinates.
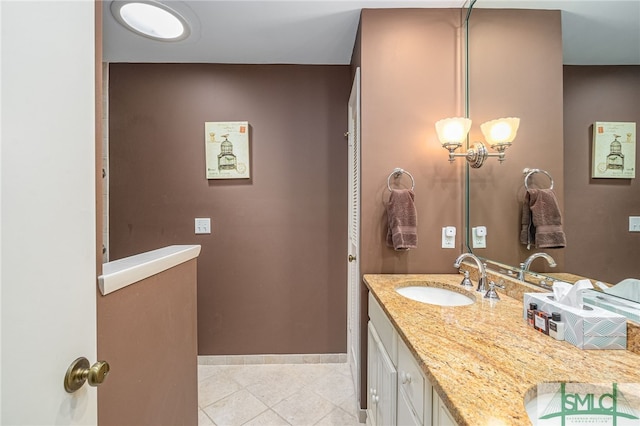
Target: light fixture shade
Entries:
(453, 130)
(500, 131)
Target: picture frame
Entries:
(227, 149)
(614, 150)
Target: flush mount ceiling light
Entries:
(151, 19)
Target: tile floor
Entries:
(276, 394)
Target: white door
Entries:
(47, 215)
(353, 278)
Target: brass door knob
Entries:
(351, 258)
(79, 372)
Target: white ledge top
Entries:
(129, 270)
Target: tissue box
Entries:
(587, 329)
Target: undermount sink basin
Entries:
(435, 296)
(535, 407)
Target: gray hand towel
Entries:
(546, 219)
(402, 232)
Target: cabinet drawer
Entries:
(383, 326)
(410, 379)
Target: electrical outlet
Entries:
(634, 223)
(479, 237)
(449, 237)
(203, 225)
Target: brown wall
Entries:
(147, 333)
(410, 68)
(597, 210)
(515, 69)
(410, 79)
(272, 275)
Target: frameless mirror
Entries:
(517, 66)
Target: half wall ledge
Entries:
(130, 270)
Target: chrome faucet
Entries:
(524, 266)
(481, 269)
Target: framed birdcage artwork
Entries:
(614, 150)
(227, 149)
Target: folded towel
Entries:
(527, 230)
(546, 219)
(402, 233)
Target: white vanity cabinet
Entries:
(381, 381)
(398, 392)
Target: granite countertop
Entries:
(483, 358)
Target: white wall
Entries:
(47, 215)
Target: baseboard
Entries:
(362, 415)
(272, 359)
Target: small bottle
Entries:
(556, 326)
(531, 313)
(541, 322)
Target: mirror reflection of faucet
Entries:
(524, 266)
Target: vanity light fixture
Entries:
(151, 19)
(499, 134)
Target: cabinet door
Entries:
(387, 389)
(382, 383)
(441, 415)
(405, 414)
(372, 376)
(411, 382)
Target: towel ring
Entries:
(529, 172)
(396, 174)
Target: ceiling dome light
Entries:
(151, 19)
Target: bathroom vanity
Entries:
(477, 364)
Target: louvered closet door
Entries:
(353, 279)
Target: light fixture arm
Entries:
(500, 147)
(475, 155)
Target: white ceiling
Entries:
(323, 31)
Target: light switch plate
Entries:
(479, 237)
(449, 237)
(634, 223)
(203, 225)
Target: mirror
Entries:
(515, 68)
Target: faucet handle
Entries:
(466, 282)
(492, 293)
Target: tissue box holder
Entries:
(586, 329)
